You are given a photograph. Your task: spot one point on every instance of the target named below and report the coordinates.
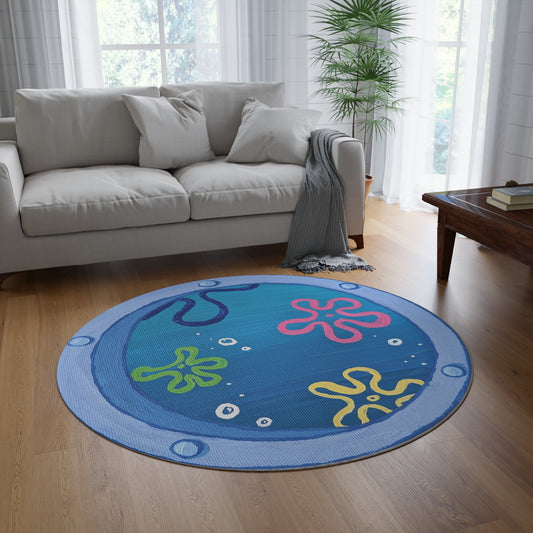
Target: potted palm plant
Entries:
(357, 53)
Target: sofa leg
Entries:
(5, 276)
(359, 241)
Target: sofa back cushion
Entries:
(223, 103)
(64, 128)
(7, 129)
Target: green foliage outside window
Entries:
(134, 51)
(128, 21)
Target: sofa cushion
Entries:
(223, 103)
(8, 131)
(221, 189)
(99, 198)
(64, 128)
(278, 134)
(173, 131)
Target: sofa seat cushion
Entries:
(100, 198)
(220, 189)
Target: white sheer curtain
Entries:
(234, 38)
(45, 44)
(405, 160)
(263, 40)
(82, 62)
(509, 139)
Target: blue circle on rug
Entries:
(264, 372)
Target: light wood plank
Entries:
(473, 473)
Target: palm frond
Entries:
(358, 55)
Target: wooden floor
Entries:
(474, 473)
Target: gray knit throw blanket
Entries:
(318, 238)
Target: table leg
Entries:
(445, 242)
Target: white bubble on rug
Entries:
(188, 448)
(80, 341)
(209, 283)
(453, 371)
(227, 411)
(227, 341)
(395, 342)
(263, 422)
(246, 348)
(349, 286)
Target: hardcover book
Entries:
(514, 195)
(508, 207)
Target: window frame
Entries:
(163, 46)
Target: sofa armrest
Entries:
(13, 242)
(349, 160)
(11, 181)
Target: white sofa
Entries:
(72, 191)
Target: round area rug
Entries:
(264, 372)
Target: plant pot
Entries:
(368, 185)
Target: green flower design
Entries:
(185, 356)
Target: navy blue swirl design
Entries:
(222, 309)
(190, 303)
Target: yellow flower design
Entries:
(343, 392)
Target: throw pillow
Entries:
(279, 134)
(173, 131)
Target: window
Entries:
(451, 81)
(150, 42)
(439, 141)
(447, 67)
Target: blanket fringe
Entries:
(312, 264)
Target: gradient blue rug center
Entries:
(264, 372)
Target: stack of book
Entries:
(512, 198)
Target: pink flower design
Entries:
(312, 308)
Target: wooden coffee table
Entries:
(467, 212)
